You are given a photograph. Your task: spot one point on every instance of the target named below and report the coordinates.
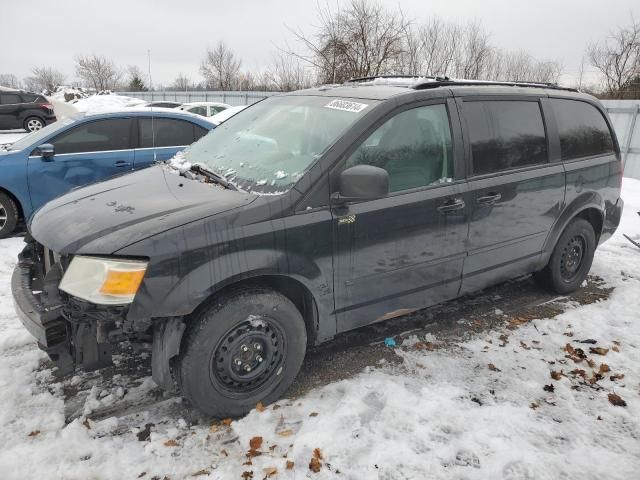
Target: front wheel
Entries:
(571, 258)
(8, 215)
(245, 348)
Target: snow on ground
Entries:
(10, 136)
(526, 402)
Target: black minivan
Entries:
(316, 212)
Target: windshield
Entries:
(34, 138)
(266, 148)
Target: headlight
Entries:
(102, 280)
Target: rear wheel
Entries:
(8, 215)
(246, 348)
(33, 124)
(571, 258)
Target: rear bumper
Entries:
(50, 120)
(612, 216)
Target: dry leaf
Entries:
(524, 345)
(87, 424)
(260, 407)
(35, 433)
(224, 452)
(253, 453)
(255, 443)
(615, 348)
(315, 465)
(317, 454)
(591, 363)
(533, 405)
(290, 465)
(616, 376)
(200, 472)
(171, 443)
(270, 471)
(214, 428)
(276, 407)
(604, 368)
(286, 433)
(247, 475)
(227, 422)
(580, 372)
(504, 339)
(549, 388)
(313, 414)
(616, 400)
(598, 350)
(493, 368)
(556, 375)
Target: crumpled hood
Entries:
(107, 216)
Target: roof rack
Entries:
(449, 82)
(421, 82)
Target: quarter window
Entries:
(414, 147)
(505, 134)
(98, 136)
(168, 132)
(582, 128)
(10, 99)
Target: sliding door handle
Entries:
(489, 199)
(451, 206)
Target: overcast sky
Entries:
(42, 32)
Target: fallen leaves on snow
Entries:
(616, 400)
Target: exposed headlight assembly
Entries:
(104, 281)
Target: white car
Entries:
(206, 109)
(218, 118)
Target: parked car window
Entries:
(505, 134)
(31, 98)
(582, 128)
(169, 132)
(215, 110)
(414, 147)
(98, 136)
(198, 110)
(10, 99)
(199, 132)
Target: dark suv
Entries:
(24, 110)
(316, 212)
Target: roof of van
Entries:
(385, 87)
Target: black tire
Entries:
(8, 215)
(33, 124)
(571, 259)
(261, 320)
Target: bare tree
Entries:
(286, 73)
(360, 39)
(98, 72)
(182, 83)
(473, 52)
(617, 58)
(441, 46)
(44, 78)
(220, 67)
(9, 80)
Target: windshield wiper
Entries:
(216, 177)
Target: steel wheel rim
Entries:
(248, 355)
(3, 216)
(34, 125)
(572, 258)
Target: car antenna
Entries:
(153, 130)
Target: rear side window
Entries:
(414, 147)
(582, 128)
(10, 99)
(199, 132)
(169, 132)
(98, 136)
(505, 134)
(31, 98)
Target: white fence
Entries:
(624, 116)
(231, 98)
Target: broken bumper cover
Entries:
(45, 323)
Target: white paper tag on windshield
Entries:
(346, 105)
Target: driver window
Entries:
(97, 136)
(414, 147)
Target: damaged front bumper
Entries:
(72, 332)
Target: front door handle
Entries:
(451, 206)
(489, 199)
(122, 163)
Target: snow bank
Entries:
(477, 410)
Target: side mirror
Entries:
(46, 151)
(362, 182)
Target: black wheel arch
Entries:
(15, 201)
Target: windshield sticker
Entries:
(346, 106)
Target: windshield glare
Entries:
(266, 148)
(33, 139)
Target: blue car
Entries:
(84, 149)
